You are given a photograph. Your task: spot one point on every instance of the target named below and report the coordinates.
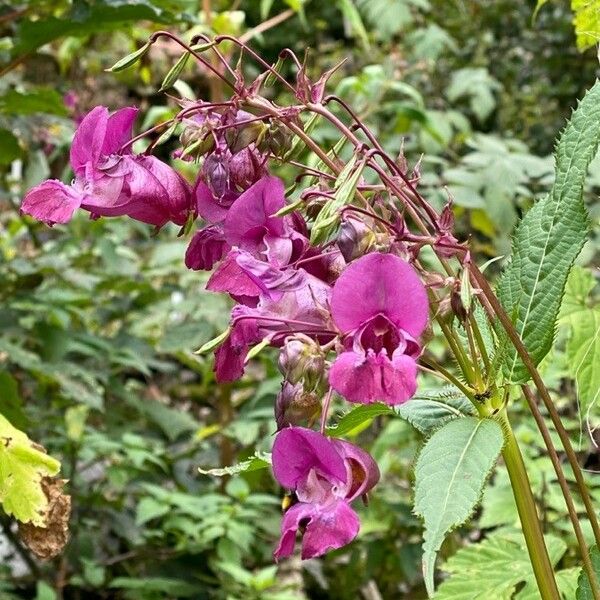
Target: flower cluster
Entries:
(346, 315)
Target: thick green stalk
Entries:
(532, 530)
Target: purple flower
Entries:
(380, 305)
(326, 475)
(207, 247)
(251, 226)
(302, 309)
(110, 181)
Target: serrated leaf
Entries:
(584, 590)
(260, 460)
(357, 417)
(430, 411)
(449, 477)
(23, 464)
(548, 240)
(493, 568)
(130, 59)
(583, 353)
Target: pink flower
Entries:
(326, 475)
(380, 305)
(109, 181)
(302, 309)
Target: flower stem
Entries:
(534, 538)
(564, 486)
(498, 310)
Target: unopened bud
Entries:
(277, 140)
(302, 361)
(241, 137)
(216, 172)
(355, 238)
(246, 168)
(295, 406)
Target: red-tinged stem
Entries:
(564, 486)
(256, 57)
(197, 56)
(498, 311)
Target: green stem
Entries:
(564, 486)
(534, 538)
(498, 311)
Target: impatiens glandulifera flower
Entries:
(325, 475)
(380, 306)
(303, 310)
(111, 182)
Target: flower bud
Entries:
(355, 238)
(216, 171)
(301, 361)
(246, 168)
(276, 139)
(295, 406)
(241, 137)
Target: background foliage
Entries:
(98, 320)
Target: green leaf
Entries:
(548, 240)
(429, 411)
(493, 568)
(130, 59)
(10, 148)
(150, 508)
(584, 590)
(587, 22)
(23, 464)
(260, 460)
(449, 477)
(36, 100)
(83, 20)
(358, 417)
(583, 353)
(11, 403)
(353, 18)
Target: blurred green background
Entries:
(99, 319)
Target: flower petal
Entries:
(297, 451)
(363, 470)
(370, 377)
(208, 207)
(326, 528)
(231, 355)
(89, 139)
(207, 247)
(249, 218)
(118, 130)
(380, 283)
(51, 202)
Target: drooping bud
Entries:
(216, 171)
(246, 168)
(302, 361)
(241, 137)
(355, 238)
(295, 406)
(277, 140)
